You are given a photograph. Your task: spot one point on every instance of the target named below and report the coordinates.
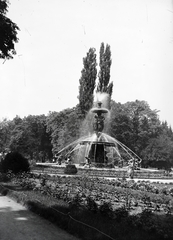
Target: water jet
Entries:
(98, 149)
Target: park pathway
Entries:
(17, 223)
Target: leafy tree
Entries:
(5, 126)
(166, 130)
(104, 84)
(29, 137)
(38, 140)
(139, 128)
(87, 81)
(17, 140)
(144, 124)
(159, 152)
(8, 30)
(64, 127)
(134, 123)
(120, 123)
(56, 128)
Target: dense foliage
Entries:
(27, 136)
(104, 84)
(15, 163)
(133, 123)
(139, 128)
(64, 127)
(8, 30)
(87, 81)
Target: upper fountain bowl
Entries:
(99, 109)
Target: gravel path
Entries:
(17, 223)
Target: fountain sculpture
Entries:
(98, 149)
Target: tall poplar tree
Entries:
(104, 84)
(87, 81)
(8, 32)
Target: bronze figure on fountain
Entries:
(98, 124)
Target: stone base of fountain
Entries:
(115, 172)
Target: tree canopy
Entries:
(64, 127)
(87, 81)
(89, 76)
(104, 84)
(8, 30)
(139, 128)
(27, 136)
(134, 124)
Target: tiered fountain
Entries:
(98, 148)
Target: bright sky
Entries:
(54, 37)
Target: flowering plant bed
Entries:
(101, 203)
(118, 192)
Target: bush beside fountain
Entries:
(70, 169)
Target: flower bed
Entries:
(117, 192)
(102, 204)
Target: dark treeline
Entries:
(132, 123)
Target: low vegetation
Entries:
(97, 208)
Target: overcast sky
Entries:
(54, 37)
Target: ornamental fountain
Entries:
(98, 149)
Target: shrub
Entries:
(5, 177)
(91, 204)
(15, 163)
(76, 201)
(106, 209)
(121, 213)
(164, 191)
(70, 169)
(171, 191)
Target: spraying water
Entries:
(104, 98)
(95, 145)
